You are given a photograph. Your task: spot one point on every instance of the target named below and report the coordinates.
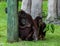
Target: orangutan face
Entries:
(22, 19)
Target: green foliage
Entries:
(20, 0)
(50, 27)
(47, 27)
(45, 9)
(45, 0)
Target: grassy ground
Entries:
(51, 39)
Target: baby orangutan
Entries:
(41, 26)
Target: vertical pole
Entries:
(12, 21)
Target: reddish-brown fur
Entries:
(41, 26)
(27, 32)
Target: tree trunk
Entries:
(26, 6)
(36, 8)
(32, 7)
(51, 11)
(12, 21)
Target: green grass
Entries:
(3, 22)
(52, 39)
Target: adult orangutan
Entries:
(41, 26)
(27, 27)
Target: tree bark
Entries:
(26, 6)
(51, 11)
(32, 7)
(12, 21)
(36, 8)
